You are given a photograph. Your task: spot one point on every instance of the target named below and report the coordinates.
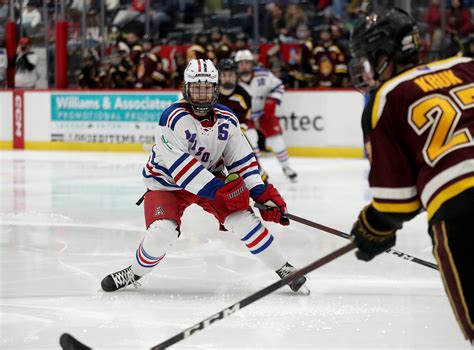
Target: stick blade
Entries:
(68, 342)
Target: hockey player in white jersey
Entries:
(196, 141)
(266, 91)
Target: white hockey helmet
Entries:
(201, 80)
(243, 55)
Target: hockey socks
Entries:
(256, 237)
(158, 239)
(278, 146)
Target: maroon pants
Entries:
(454, 250)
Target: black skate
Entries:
(290, 173)
(119, 280)
(297, 285)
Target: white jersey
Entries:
(263, 84)
(187, 152)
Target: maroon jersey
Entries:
(150, 72)
(329, 65)
(239, 102)
(418, 130)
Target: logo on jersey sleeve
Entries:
(166, 142)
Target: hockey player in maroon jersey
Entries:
(231, 94)
(418, 127)
(197, 140)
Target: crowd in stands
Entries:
(138, 63)
(304, 43)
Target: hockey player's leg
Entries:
(271, 128)
(453, 246)
(260, 242)
(159, 237)
(278, 146)
(251, 135)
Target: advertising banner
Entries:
(315, 122)
(6, 116)
(114, 118)
(18, 120)
(322, 118)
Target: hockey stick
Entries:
(254, 297)
(68, 342)
(347, 236)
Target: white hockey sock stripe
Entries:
(258, 240)
(146, 260)
(282, 156)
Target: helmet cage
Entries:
(200, 88)
(201, 95)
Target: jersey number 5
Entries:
(440, 114)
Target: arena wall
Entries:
(316, 122)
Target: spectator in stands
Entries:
(177, 75)
(341, 37)
(468, 46)
(357, 9)
(133, 46)
(321, 5)
(241, 42)
(273, 22)
(302, 69)
(224, 48)
(294, 16)
(30, 18)
(150, 71)
(166, 13)
(93, 37)
(199, 49)
(24, 62)
(329, 61)
(105, 80)
(89, 75)
(124, 72)
(215, 37)
(247, 21)
(459, 20)
(133, 18)
(435, 38)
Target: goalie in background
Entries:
(418, 130)
(196, 142)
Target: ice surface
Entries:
(68, 219)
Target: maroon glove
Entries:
(272, 198)
(231, 197)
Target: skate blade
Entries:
(304, 290)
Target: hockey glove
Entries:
(270, 106)
(370, 241)
(272, 198)
(231, 197)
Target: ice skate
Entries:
(290, 173)
(119, 280)
(297, 285)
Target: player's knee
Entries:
(163, 232)
(241, 222)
